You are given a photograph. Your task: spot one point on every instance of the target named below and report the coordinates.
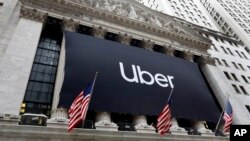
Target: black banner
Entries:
(133, 80)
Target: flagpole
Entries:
(217, 125)
(90, 95)
(170, 94)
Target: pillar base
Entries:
(175, 130)
(144, 128)
(106, 126)
(9, 119)
(206, 132)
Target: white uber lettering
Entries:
(134, 79)
(160, 79)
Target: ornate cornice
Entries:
(70, 24)
(169, 50)
(99, 32)
(147, 44)
(206, 60)
(33, 14)
(126, 14)
(188, 55)
(124, 38)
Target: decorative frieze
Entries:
(33, 14)
(127, 14)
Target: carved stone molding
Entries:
(124, 38)
(33, 14)
(169, 50)
(147, 44)
(99, 32)
(70, 24)
(188, 55)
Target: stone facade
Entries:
(128, 19)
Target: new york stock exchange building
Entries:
(51, 50)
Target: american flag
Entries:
(164, 119)
(228, 117)
(79, 107)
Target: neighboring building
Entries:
(32, 59)
(232, 16)
(189, 10)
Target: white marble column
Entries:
(16, 63)
(103, 122)
(59, 116)
(176, 129)
(141, 126)
(200, 127)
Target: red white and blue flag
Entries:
(164, 119)
(79, 107)
(228, 117)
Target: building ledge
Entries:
(25, 132)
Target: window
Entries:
(244, 55)
(235, 65)
(244, 78)
(224, 49)
(218, 61)
(243, 90)
(248, 108)
(241, 66)
(40, 88)
(227, 75)
(238, 53)
(234, 76)
(236, 89)
(225, 63)
(1, 4)
(230, 51)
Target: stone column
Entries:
(188, 56)
(176, 129)
(17, 61)
(59, 116)
(200, 127)
(124, 39)
(147, 44)
(141, 126)
(169, 50)
(103, 122)
(99, 32)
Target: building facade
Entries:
(32, 59)
(231, 16)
